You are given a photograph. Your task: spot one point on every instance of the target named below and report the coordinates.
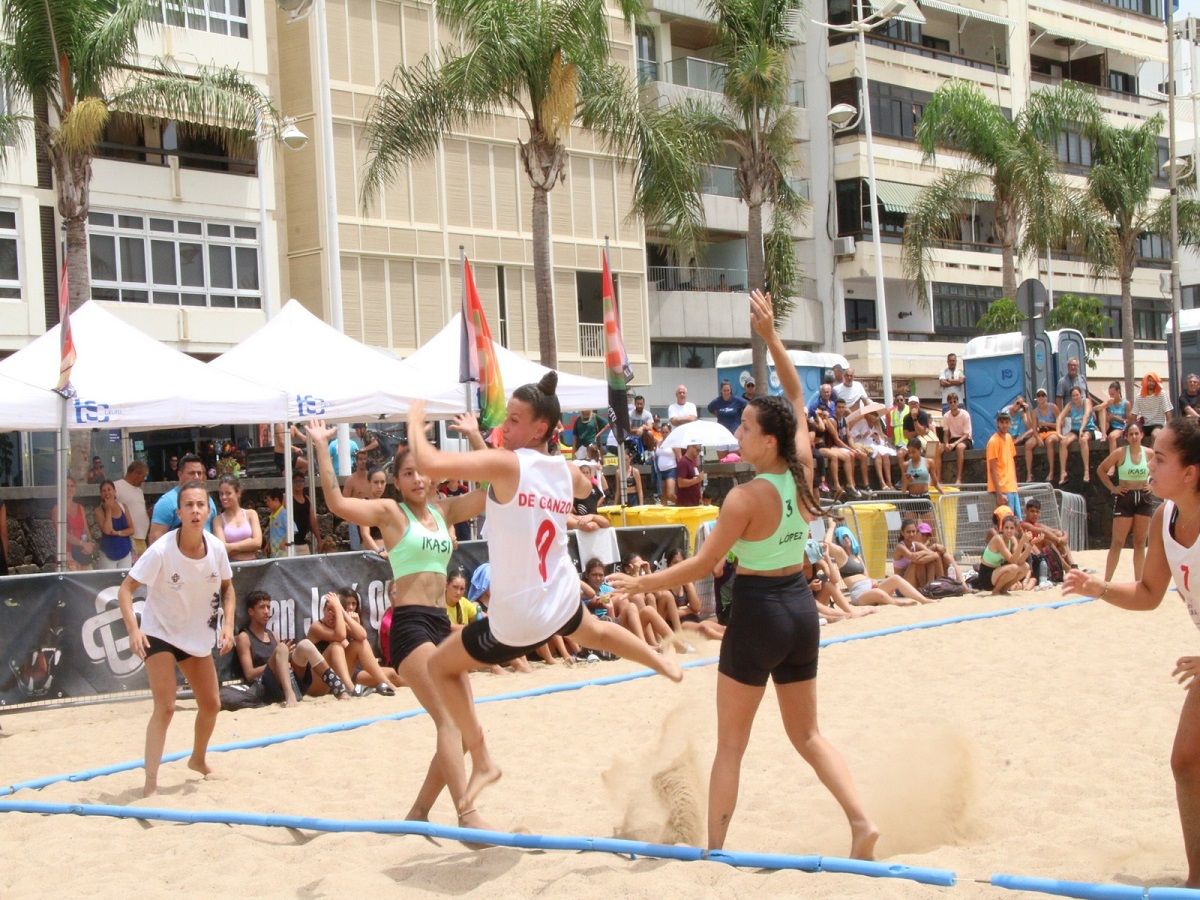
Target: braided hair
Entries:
(777, 418)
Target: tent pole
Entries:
(287, 485)
(312, 489)
(64, 469)
(623, 490)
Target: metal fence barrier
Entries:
(1072, 513)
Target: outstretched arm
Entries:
(500, 467)
(352, 509)
(762, 320)
(1135, 595)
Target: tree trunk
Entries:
(73, 178)
(1126, 275)
(1006, 229)
(756, 279)
(544, 279)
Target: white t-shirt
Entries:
(134, 501)
(664, 458)
(851, 394)
(183, 595)
(949, 374)
(535, 588)
(678, 411)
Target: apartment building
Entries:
(399, 269)
(697, 305)
(177, 245)
(1010, 49)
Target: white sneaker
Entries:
(1044, 586)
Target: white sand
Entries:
(1036, 744)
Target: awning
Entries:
(910, 13)
(898, 197)
(965, 11)
(1134, 45)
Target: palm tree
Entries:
(549, 61)
(1018, 157)
(78, 59)
(1119, 188)
(757, 124)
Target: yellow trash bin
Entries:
(613, 514)
(691, 517)
(870, 522)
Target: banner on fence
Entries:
(62, 636)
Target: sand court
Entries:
(1036, 743)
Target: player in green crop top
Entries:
(773, 631)
(416, 534)
(1133, 501)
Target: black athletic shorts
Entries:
(273, 690)
(1134, 503)
(414, 625)
(158, 645)
(482, 646)
(774, 631)
(983, 581)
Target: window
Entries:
(1145, 7)
(860, 314)
(663, 355)
(895, 110)
(1153, 246)
(900, 30)
(1122, 82)
(154, 141)
(647, 54)
(849, 206)
(1190, 296)
(1074, 149)
(588, 297)
(216, 16)
(682, 356)
(957, 308)
(188, 262)
(10, 273)
(501, 307)
(1149, 316)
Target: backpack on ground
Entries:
(942, 587)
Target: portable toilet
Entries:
(1189, 342)
(995, 368)
(812, 367)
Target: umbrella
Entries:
(704, 432)
(865, 410)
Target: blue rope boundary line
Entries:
(1087, 891)
(631, 849)
(544, 690)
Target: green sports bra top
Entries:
(421, 550)
(785, 546)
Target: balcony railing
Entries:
(647, 71)
(719, 180)
(695, 278)
(591, 339)
(880, 40)
(693, 72)
(1042, 78)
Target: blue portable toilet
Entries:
(812, 367)
(995, 368)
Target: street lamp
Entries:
(842, 116)
(294, 139)
(298, 11)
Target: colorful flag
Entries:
(616, 360)
(477, 356)
(66, 342)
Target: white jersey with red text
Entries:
(1183, 562)
(535, 588)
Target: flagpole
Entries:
(64, 427)
(623, 491)
(462, 311)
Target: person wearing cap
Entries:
(1002, 464)
(688, 477)
(748, 393)
(1044, 418)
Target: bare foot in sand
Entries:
(862, 840)
(484, 772)
(417, 815)
(199, 765)
(668, 664)
(472, 819)
(150, 788)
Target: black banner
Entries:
(62, 636)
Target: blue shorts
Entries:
(1014, 501)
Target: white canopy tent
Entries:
(27, 408)
(123, 378)
(324, 373)
(436, 364)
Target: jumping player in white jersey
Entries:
(535, 588)
(1174, 554)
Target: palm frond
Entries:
(960, 117)
(108, 43)
(935, 219)
(27, 60)
(13, 131)
(1069, 105)
(216, 97)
